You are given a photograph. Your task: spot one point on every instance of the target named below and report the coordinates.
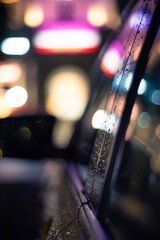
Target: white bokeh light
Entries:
(104, 121)
(16, 97)
(142, 87)
(15, 46)
(97, 119)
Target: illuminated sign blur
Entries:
(67, 38)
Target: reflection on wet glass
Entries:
(138, 182)
(125, 85)
(112, 59)
(135, 111)
(137, 17)
(118, 109)
(104, 121)
(134, 115)
(97, 119)
(130, 41)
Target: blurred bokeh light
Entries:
(142, 87)
(5, 110)
(16, 97)
(9, 1)
(33, 16)
(10, 72)
(15, 46)
(98, 118)
(112, 59)
(97, 15)
(155, 97)
(144, 120)
(137, 17)
(67, 93)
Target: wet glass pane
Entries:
(135, 210)
(119, 61)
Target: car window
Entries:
(125, 52)
(135, 198)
